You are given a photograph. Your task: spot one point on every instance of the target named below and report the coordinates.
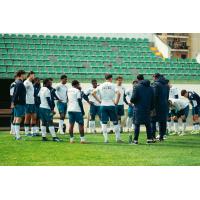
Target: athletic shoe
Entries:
(120, 141)
(150, 141)
(56, 139)
(164, 137)
(61, 132)
(44, 139)
(106, 142)
(182, 134)
(160, 139)
(83, 142)
(173, 133)
(135, 142)
(194, 132)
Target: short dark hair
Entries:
(93, 80)
(157, 75)
(51, 79)
(119, 77)
(75, 82)
(183, 92)
(63, 77)
(108, 76)
(45, 81)
(36, 79)
(140, 77)
(20, 72)
(30, 73)
(167, 81)
(135, 81)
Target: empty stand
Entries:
(87, 57)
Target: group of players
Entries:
(151, 104)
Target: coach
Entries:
(161, 96)
(143, 101)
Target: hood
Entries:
(162, 81)
(146, 83)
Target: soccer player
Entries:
(94, 106)
(143, 100)
(30, 111)
(19, 102)
(12, 87)
(129, 120)
(194, 99)
(107, 99)
(120, 106)
(47, 111)
(75, 111)
(174, 94)
(179, 109)
(61, 92)
(37, 87)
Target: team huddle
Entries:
(156, 105)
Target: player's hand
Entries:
(83, 113)
(53, 112)
(12, 105)
(130, 104)
(91, 103)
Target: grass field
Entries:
(31, 151)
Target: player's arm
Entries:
(80, 103)
(94, 94)
(85, 97)
(118, 95)
(134, 96)
(55, 95)
(15, 95)
(125, 100)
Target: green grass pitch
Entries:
(31, 151)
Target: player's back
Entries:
(73, 95)
(107, 93)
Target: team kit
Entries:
(156, 105)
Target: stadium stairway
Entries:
(85, 58)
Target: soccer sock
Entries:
(52, 131)
(37, 130)
(61, 122)
(169, 126)
(197, 126)
(176, 127)
(117, 131)
(17, 130)
(44, 131)
(183, 126)
(105, 132)
(12, 128)
(32, 128)
(91, 126)
(129, 123)
(26, 128)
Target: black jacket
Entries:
(143, 101)
(19, 95)
(37, 88)
(161, 96)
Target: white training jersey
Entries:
(179, 104)
(173, 92)
(128, 94)
(29, 92)
(12, 88)
(107, 92)
(43, 94)
(61, 92)
(90, 96)
(121, 89)
(73, 95)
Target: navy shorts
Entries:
(62, 107)
(108, 113)
(120, 110)
(30, 108)
(19, 111)
(75, 117)
(196, 110)
(46, 115)
(94, 110)
(183, 112)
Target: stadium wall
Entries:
(195, 44)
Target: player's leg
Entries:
(33, 121)
(12, 125)
(169, 123)
(114, 118)
(195, 117)
(79, 119)
(19, 111)
(43, 124)
(72, 120)
(129, 120)
(27, 120)
(162, 129)
(37, 129)
(184, 114)
(136, 133)
(62, 108)
(104, 120)
(92, 119)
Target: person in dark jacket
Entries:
(142, 98)
(37, 87)
(19, 102)
(161, 96)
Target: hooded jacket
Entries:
(143, 101)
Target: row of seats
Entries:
(74, 38)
